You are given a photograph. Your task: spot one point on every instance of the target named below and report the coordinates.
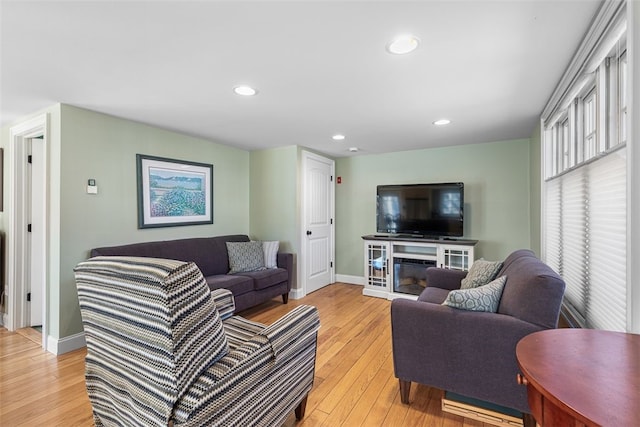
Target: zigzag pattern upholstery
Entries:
(159, 353)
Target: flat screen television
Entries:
(428, 210)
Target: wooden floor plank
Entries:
(370, 395)
(382, 404)
(354, 384)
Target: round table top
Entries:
(591, 374)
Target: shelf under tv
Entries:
(419, 238)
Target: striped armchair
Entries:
(162, 349)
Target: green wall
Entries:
(104, 148)
(274, 206)
(497, 206)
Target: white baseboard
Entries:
(296, 293)
(66, 344)
(353, 280)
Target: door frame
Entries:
(16, 239)
(302, 262)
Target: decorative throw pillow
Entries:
(271, 254)
(245, 256)
(482, 298)
(480, 273)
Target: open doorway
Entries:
(27, 226)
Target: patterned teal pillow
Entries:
(482, 298)
(480, 273)
(245, 256)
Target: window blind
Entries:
(585, 242)
(607, 242)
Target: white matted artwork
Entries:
(173, 192)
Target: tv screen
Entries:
(430, 210)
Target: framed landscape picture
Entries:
(173, 192)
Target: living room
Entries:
(502, 177)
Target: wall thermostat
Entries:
(92, 188)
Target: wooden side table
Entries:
(581, 377)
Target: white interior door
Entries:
(318, 231)
(35, 238)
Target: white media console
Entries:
(394, 266)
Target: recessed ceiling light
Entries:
(442, 122)
(338, 137)
(403, 44)
(245, 90)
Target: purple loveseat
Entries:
(468, 352)
(210, 255)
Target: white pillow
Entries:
(271, 253)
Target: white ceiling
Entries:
(320, 67)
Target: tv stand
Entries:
(395, 265)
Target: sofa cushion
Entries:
(270, 250)
(245, 256)
(237, 284)
(433, 295)
(533, 292)
(481, 298)
(266, 278)
(480, 273)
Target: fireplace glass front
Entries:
(410, 275)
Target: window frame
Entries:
(584, 121)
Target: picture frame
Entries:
(173, 192)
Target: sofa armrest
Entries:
(285, 260)
(467, 352)
(296, 327)
(444, 278)
(223, 298)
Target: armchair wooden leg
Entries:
(301, 408)
(528, 420)
(405, 388)
(285, 298)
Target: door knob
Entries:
(308, 233)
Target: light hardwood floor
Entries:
(354, 383)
